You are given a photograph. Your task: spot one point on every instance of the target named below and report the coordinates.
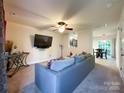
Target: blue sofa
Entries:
(64, 81)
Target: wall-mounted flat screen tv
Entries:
(42, 41)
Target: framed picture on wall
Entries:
(73, 43)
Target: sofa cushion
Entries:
(83, 57)
(83, 53)
(61, 64)
(79, 58)
(89, 55)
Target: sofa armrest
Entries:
(45, 79)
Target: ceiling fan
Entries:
(62, 26)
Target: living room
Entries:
(26, 42)
(84, 22)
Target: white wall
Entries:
(23, 36)
(84, 43)
(95, 43)
(123, 45)
(118, 50)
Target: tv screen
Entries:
(42, 41)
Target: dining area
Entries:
(100, 53)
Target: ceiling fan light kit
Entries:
(61, 29)
(63, 26)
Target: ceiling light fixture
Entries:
(62, 28)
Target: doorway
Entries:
(108, 45)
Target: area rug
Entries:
(102, 79)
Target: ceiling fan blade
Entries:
(55, 30)
(53, 26)
(69, 28)
(45, 27)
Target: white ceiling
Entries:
(80, 13)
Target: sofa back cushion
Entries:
(58, 65)
(79, 58)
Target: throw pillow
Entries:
(50, 63)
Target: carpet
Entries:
(102, 79)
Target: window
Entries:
(106, 45)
